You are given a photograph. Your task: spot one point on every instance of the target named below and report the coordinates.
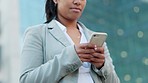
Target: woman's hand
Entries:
(98, 58)
(84, 51)
(91, 53)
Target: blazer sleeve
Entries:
(107, 72)
(34, 70)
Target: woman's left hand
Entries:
(98, 58)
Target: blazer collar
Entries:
(57, 33)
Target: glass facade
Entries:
(125, 21)
(0, 24)
(0, 41)
(31, 13)
(0, 57)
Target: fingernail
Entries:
(95, 48)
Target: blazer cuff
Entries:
(104, 71)
(73, 62)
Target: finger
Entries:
(99, 49)
(80, 49)
(87, 46)
(98, 55)
(86, 51)
(85, 56)
(85, 60)
(96, 60)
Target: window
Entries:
(0, 24)
(0, 56)
(0, 42)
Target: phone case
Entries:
(98, 38)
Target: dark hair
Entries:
(50, 10)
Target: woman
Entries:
(58, 52)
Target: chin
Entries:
(75, 17)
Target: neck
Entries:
(67, 22)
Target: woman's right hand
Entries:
(84, 51)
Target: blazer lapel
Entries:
(57, 33)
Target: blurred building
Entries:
(9, 41)
(126, 22)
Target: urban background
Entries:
(125, 21)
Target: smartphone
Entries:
(98, 38)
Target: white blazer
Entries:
(48, 57)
